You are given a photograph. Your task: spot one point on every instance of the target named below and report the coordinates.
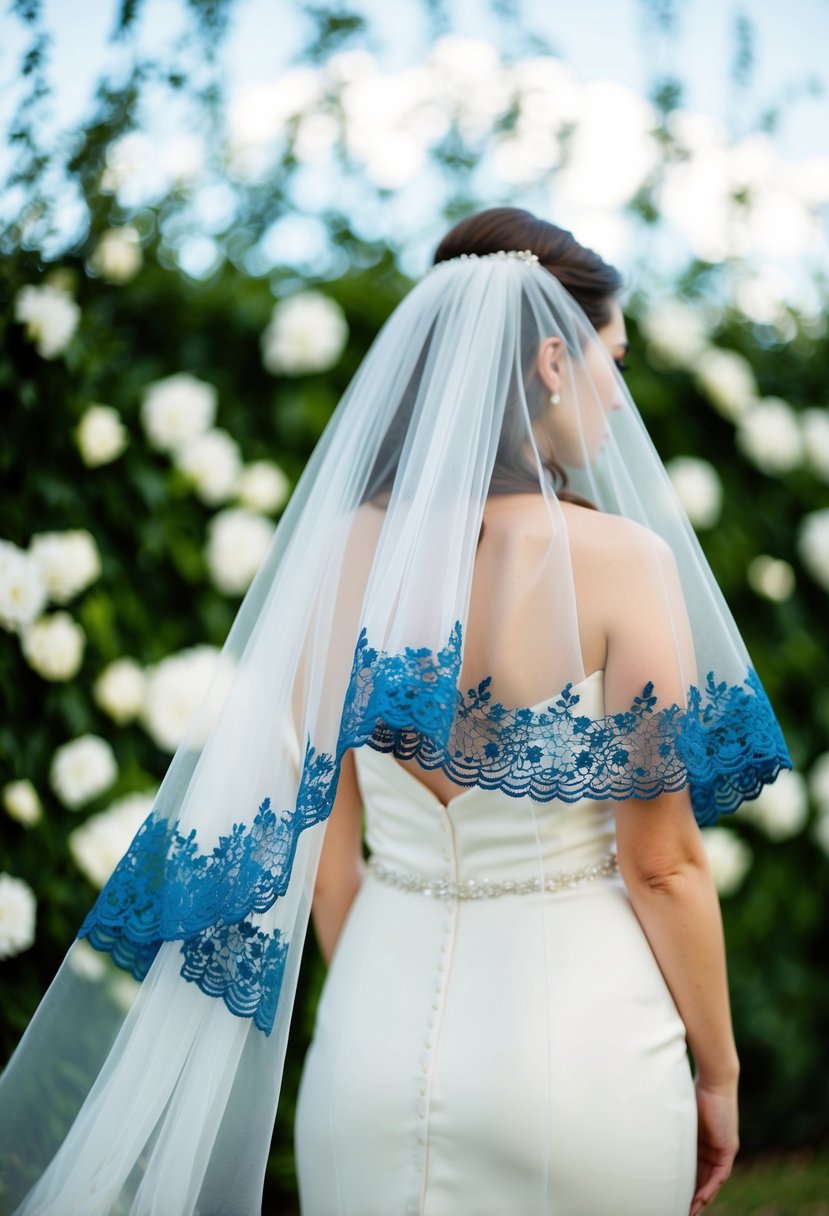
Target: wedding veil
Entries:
(147, 1081)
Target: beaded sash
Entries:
(485, 888)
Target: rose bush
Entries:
(133, 528)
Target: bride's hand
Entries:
(717, 1140)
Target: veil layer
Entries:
(148, 1079)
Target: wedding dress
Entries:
(494, 1053)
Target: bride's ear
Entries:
(548, 363)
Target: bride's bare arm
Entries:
(673, 895)
(341, 865)
(661, 853)
(671, 888)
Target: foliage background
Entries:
(154, 596)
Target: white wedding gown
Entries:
(515, 1054)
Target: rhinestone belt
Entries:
(485, 888)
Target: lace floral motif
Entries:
(240, 964)
(412, 691)
(725, 746)
(163, 888)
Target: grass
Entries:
(796, 1184)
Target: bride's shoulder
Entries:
(598, 523)
(587, 526)
(614, 540)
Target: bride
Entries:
(489, 1055)
(486, 644)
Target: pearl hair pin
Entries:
(521, 255)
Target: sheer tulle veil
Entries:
(148, 1078)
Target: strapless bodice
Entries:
(482, 834)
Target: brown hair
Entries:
(591, 282)
(587, 277)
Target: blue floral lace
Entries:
(725, 746)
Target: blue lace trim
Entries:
(725, 746)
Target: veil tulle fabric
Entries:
(147, 1081)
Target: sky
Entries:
(614, 40)
(599, 39)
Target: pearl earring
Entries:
(554, 398)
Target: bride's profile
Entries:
(485, 693)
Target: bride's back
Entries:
(509, 633)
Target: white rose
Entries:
(101, 435)
(53, 646)
(82, 769)
(761, 298)
(315, 138)
(821, 830)
(117, 256)
(306, 333)
(698, 488)
(263, 486)
(771, 577)
(128, 159)
(468, 77)
(236, 546)
(260, 112)
(730, 858)
(814, 424)
(177, 689)
(124, 990)
(727, 379)
(819, 781)
(23, 593)
(212, 462)
(120, 689)
(69, 561)
(177, 409)
(99, 844)
(819, 787)
(22, 803)
(85, 961)
(813, 545)
(675, 332)
(768, 434)
(50, 315)
(526, 154)
(780, 809)
(182, 156)
(18, 909)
